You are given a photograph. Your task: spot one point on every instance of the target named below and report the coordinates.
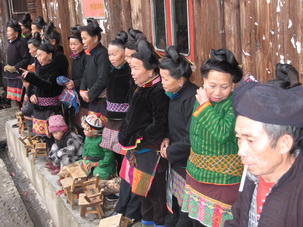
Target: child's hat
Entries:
(92, 122)
(56, 123)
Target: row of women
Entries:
(175, 142)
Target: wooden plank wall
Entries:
(271, 32)
(260, 33)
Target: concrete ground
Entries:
(20, 204)
(13, 212)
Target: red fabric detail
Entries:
(263, 189)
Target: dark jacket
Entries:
(117, 90)
(18, 56)
(60, 64)
(283, 206)
(146, 118)
(179, 118)
(44, 83)
(96, 72)
(78, 67)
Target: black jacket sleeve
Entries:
(102, 62)
(180, 150)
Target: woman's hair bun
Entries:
(39, 22)
(37, 36)
(135, 35)
(223, 55)
(75, 29)
(49, 28)
(26, 20)
(172, 53)
(122, 37)
(92, 22)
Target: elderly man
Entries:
(268, 131)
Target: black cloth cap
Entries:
(270, 104)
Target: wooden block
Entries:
(113, 221)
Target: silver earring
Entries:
(96, 41)
(180, 85)
(150, 76)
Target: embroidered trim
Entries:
(49, 101)
(225, 164)
(134, 146)
(151, 82)
(201, 108)
(208, 211)
(117, 107)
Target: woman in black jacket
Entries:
(175, 72)
(78, 66)
(141, 134)
(95, 76)
(46, 90)
(17, 57)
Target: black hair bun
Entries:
(288, 73)
(223, 55)
(49, 28)
(172, 53)
(37, 36)
(145, 52)
(76, 29)
(135, 35)
(39, 22)
(92, 22)
(122, 37)
(26, 20)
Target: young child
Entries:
(93, 155)
(68, 146)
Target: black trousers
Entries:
(153, 207)
(128, 204)
(178, 218)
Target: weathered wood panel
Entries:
(270, 33)
(119, 18)
(232, 35)
(209, 21)
(140, 15)
(260, 33)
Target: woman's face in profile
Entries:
(218, 85)
(169, 83)
(43, 57)
(139, 73)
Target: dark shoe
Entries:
(14, 126)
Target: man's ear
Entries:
(285, 143)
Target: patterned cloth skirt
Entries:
(14, 89)
(139, 170)
(175, 187)
(110, 137)
(40, 125)
(208, 203)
